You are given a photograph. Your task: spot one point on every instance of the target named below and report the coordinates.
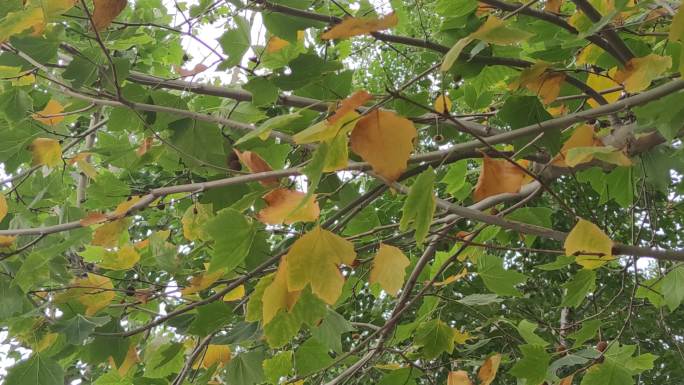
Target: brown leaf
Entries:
(354, 26)
(496, 177)
(553, 6)
(256, 164)
(356, 100)
(184, 73)
(106, 11)
(385, 140)
(93, 218)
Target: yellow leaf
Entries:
(558, 110)
(50, 115)
(324, 131)
(82, 159)
(354, 26)
(285, 206)
(54, 8)
(350, 104)
(601, 83)
(94, 292)
(109, 233)
(128, 362)
(256, 164)
(487, 372)
(529, 74)
(461, 338)
(608, 154)
(452, 278)
(385, 140)
(235, 295)
(201, 282)
(677, 26)
(46, 152)
(589, 55)
(123, 208)
(586, 237)
(277, 296)
(639, 72)
(538, 80)
(193, 221)
(583, 136)
(389, 269)
(7, 240)
(123, 259)
(443, 104)
(46, 342)
(553, 6)
(275, 44)
(214, 354)
(497, 176)
(25, 80)
(337, 156)
(15, 23)
(390, 366)
(3, 207)
(106, 11)
(314, 259)
(459, 377)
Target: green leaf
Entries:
(620, 186)
(263, 91)
(37, 370)
(583, 283)
(78, 328)
(526, 330)
(455, 178)
(532, 367)
(586, 332)
(210, 317)
(15, 104)
(419, 206)
(560, 262)
(235, 42)
(265, 128)
(233, 234)
(480, 299)
(278, 366)
(651, 289)
(522, 111)
(496, 278)
(664, 114)
(12, 300)
(402, 376)
(331, 329)
(310, 357)
(434, 337)
(673, 287)
(540, 216)
(245, 369)
(607, 373)
(112, 378)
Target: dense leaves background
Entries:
(170, 219)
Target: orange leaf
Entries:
(459, 377)
(496, 177)
(144, 146)
(567, 380)
(275, 44)
(93, 218)
(553, 6)
(128, 362)
(356, 100)
(488, 370)
(106, 11)
(50, 114)
(284, 207)
(536, 79)
(7, 240)
(256, 164)
(385, 140)
(198, 69)
(354, 26)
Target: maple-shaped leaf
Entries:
(487, 372)
(256, 164)
(497, 176)
(385, 140)
(277, 295)
(94, 292)
(46, 152)
(51, 114)
(639, 72)
(494, 31)
(434, 337)
(420, 204)
(586, 237)
(389, 269)
(532, 367)
(106, 11)
(213, 354)
(16, 22)
(355, 26)
(601, 83)
(350, 104)
(288, 206)
(583, 136)
(313, 260)
(123, 259)
(458, 377)
(443, 104)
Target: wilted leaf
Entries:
(7, 240)
(553, 6)
(46, 152)
(497, 176)
(608, 154)
(326, 131)
(541, 82)
(51, 114)
(124, 207)
(354, 26)
(106, 11)
(255, 164)
(314, 259)
(385, 140)
(196, 70)
(275, 44)
(350, 104)
(287, 206)
(389, 269)
(586, 237)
